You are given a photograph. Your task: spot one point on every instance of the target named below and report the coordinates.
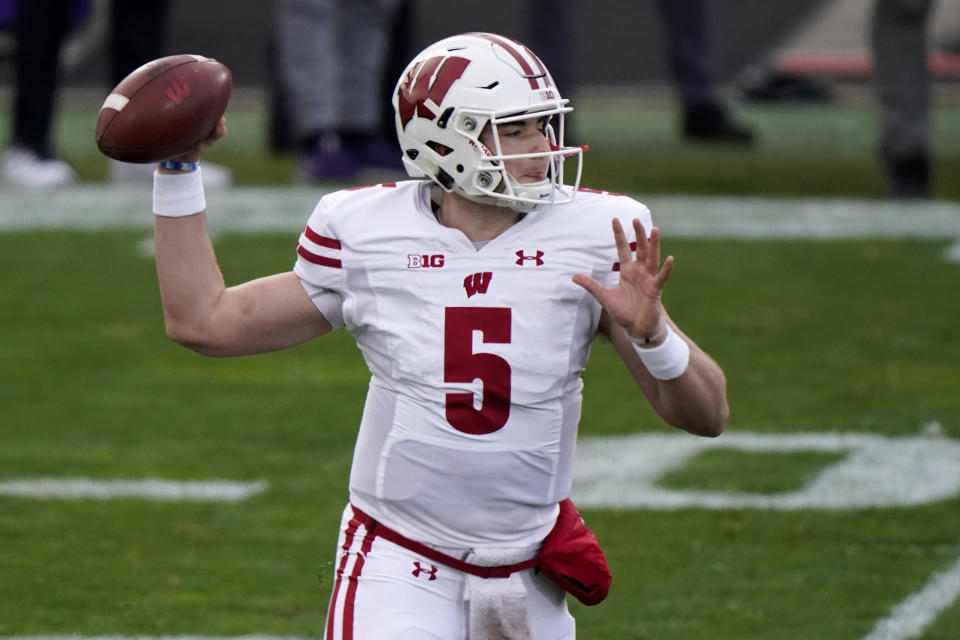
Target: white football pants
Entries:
(382, 591)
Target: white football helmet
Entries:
(454, 89)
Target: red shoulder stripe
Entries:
(323, 261)
(371, 186)
(323, 241)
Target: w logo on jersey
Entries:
(416, 89)
(477, 283)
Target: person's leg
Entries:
(309, 57)
(693, 67)
(40, 29)
(547, 612)
(363, 44)
(902, 83)
(399, 51)
(552, 39)
(381, 590)
(137, 35)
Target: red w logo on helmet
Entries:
(416, 89)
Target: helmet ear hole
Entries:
(440, 148)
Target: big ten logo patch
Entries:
(424, 261)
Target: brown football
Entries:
(163, 109)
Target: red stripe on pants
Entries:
(350, 599)
(347, 543)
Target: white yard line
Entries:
(150, 489)
(952, 253)
(909, 618)
(874, 472)
(285, 209)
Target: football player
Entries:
(474, 292)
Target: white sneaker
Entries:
(214, 175)
(24, 167)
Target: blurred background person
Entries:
(331, 57)
(137, 34)
(39, 29)
(898, 41)
(691, 56)
(688, 37)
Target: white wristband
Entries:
(178, 194)
(667, 360)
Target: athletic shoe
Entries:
(712, 124)
(27, 168)
(328, 159)
(908, 176)
(375, 152)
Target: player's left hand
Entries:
(635, 301)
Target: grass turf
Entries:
(814, 336)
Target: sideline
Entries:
(286, 209)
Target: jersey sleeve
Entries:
(319, 265)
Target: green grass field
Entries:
(839, 335)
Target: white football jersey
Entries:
(469, 427)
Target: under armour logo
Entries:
(477, 283)
(432, 571)
(521, 258)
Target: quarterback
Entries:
(474, 291)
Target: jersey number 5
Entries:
(461, 364)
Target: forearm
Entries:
(693, 399)
(266, 314)
(200, 311)
(191, 283)
(696, 401)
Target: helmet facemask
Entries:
(525, 196)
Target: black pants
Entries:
(137, 31)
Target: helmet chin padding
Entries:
(455, 88)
